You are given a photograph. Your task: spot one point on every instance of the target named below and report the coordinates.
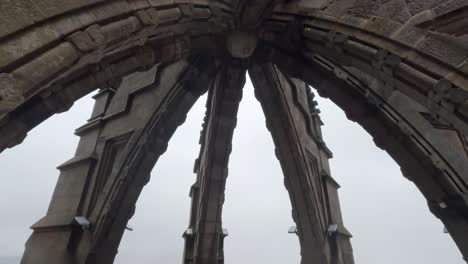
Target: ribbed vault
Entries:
(398, 68)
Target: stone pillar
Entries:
(97, 189)
(204, 239)
(292, 118)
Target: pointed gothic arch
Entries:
(398, 68)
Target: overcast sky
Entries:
(387, 215)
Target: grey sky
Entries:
(386, 213)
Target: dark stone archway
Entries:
(398, 68)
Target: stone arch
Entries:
(383, 69)
(429, 154)
(398, 68)
(76, 47)
(98, 188)
(429, 67)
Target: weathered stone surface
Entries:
(106, 141)
(416, 6)
(400, 126)
(204, 243)
(395, 10)
(293, 120)
(241, 45)
(398, 68)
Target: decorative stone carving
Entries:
(398, 68)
